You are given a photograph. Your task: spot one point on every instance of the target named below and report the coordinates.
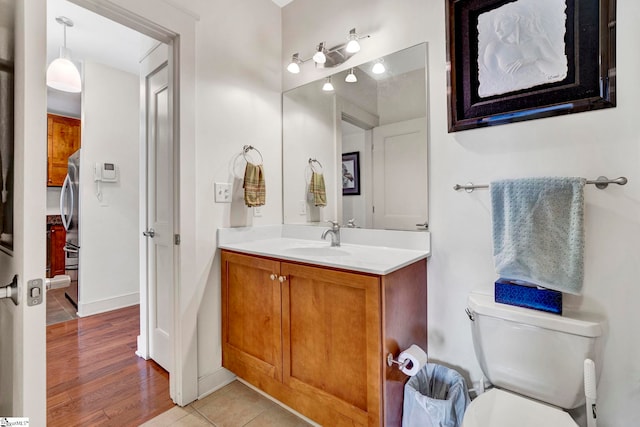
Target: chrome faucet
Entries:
(334, 231)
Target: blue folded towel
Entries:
(538, 232)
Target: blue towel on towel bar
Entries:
(538, 232)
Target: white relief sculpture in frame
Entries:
(521, 45)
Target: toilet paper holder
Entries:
(401, 365)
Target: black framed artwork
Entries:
(514, 60)
(351, 174)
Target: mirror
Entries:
(366, 138)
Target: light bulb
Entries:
(328, 86)
(293, 68)
(378, 68)
(353, 46)
(62, 74)
(294, 65)
(351, 77)
(319, 57)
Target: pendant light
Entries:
(62, 74)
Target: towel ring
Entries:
(312, 161)
(248, 148)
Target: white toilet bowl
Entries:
(499, 408)
(535, 361)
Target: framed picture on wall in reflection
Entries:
(351, 174)
(514, 60)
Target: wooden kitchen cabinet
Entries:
(56, 252)
(63, 139)
(316, 338)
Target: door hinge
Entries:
(176, 239)
(373, 209)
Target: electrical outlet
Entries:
(257, 211)
(302, 207)
(222, 192)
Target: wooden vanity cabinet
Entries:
(63, 139)
(316, 338)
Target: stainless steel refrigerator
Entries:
(69, 203)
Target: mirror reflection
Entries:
(355, 146)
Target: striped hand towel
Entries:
(254, 186)
(317, 189)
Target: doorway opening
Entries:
(113, 270)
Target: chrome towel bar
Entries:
(602, 182)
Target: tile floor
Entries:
(234, 405)
(59, 308)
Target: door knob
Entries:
(282, 279)
(149, 233)
(273, 276)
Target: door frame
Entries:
(175, 27)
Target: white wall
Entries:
(604, 142)
(238, 102)
(311, 131)
(355, 206)
(108, 275)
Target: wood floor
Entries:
(94, 377)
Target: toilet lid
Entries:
(499, 408)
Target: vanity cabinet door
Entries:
(251, 315)
(331, 333)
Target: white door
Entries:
(22, 327)
(159, 205)
(400, 175)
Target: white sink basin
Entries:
(321, 251)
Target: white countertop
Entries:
(366, 258)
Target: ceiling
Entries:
(94, 38)
(98, 39)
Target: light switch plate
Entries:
(257, 211)
(223, 192)
(302, 207)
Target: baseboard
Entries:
(108, 304)
(214, 381)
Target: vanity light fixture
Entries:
(378, 67)
(351, 77)
(327, 58)
(319, 57)
(327, 86)
(62, 74)
(294, 65)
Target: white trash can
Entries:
(436, 396)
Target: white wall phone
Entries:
(105, 172)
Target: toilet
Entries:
(534, 360)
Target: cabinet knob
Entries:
(282, 279)
(273, 276)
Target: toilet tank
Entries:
(533, 353)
